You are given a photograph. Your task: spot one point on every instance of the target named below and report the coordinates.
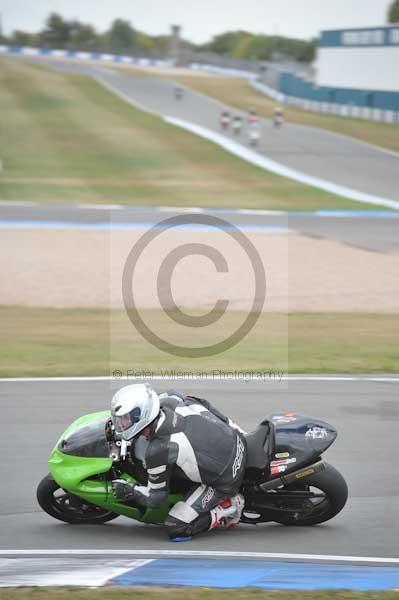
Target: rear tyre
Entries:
(69, 508)
(331, 483)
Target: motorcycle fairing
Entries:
(299, 440)
(85, 475)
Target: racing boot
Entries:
(227, 514)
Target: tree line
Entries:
(393, 12)
(245, 45)
(120, 38)
(123, 38)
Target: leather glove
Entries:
(123, 490)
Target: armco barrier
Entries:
(222, 71)
(92, 56)
(381, 102)
(342, 110)
(389, 115)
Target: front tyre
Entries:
(331, 494)
(69, 508)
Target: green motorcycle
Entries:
(285, 481)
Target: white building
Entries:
(366, 59)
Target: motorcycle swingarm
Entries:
(272, 502)
(268, 511)
(264, 513)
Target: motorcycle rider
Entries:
(237, 124)
(225, 119)
(254, 133)
(185, 437)
(179, 92)
(278, 117)
(252, 117)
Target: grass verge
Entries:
(50, 342)
(185, 594)
(237, 92)
(66, 138)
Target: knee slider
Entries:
(177, 528)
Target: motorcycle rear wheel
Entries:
(333, 485)
(68, 508)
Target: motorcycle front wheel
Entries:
(66, 507)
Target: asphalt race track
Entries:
(375, 233)
(317, 152)
(366, 414)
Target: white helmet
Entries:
(133, 407)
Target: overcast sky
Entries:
(201, 19)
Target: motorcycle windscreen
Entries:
(87, 440)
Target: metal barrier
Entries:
(92, 56)
(342, 110)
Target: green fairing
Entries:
(76, 474)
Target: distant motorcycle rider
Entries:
(179, 92)
(237, 124)
(278, 117)
(225, 119)
(184, 437)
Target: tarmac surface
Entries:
(375, 233)
(336, 158)
(366, 414)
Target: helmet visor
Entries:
(124, 422)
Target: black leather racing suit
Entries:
(190, 440)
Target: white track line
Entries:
(65, 571)
(188, 377)
(17, 203)
(204, 553)
(261, 211)
(209, 209)
(182, 209)
(101, 206)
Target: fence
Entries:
(74, 54)
(333, 108)
(343, 108)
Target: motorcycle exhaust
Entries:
(293, 477)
